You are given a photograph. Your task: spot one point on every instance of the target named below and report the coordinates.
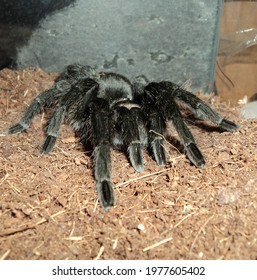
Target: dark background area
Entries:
(18, 19)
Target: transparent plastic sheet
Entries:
(244, 35)
(233, 43)
(236, 62)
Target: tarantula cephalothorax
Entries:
(110, 111)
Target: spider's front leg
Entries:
(74, 100)
(156, 126)
(100, 124)
(130, 133)
(154, 122)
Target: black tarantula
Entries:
(109, 110)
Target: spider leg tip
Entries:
(48, 144)
(201, 164)
(195, 155)
(136, 156)
(107, 208)
(228, 125)
(106, 194)
(16, 128)
(43, 152)
(139, 168)
(159, 151)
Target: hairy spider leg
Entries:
(44, 99)
(192, 151)
(166, 104)
(100, 124)
(70, 96)
(200, 108)
(155, 125)
(53, 130)
(128, 123)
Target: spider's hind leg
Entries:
(43, 100)
(160, 97)
(200, 108)
(192, 151)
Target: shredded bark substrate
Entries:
(49, 207)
